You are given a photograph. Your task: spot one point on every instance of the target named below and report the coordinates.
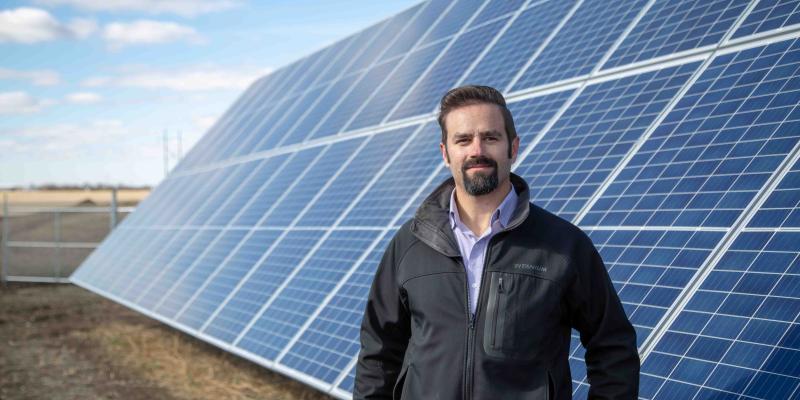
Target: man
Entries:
(475, 296)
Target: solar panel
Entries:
(412, 33)
(601, 125)
(230, 272)
(740, 325)
(330, 342)
(394, 87)
(451, 22)
(397, 184)
(282, 316)
(670, 27)
(668, 131)
(352, 99)
(334, 200)
(524, 37)
(276, 264)
(581, 43)
(770, 15)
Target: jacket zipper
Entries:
(470, 328)
(497, 306)
(469, 370)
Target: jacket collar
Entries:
(431, 223)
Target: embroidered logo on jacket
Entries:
(530, 267)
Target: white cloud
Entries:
(186, 8)
(82, 27)
(37, 77)
(96, 81)
(33, 25)
(119, 34)
(197, 79)
(203, 123)
(66, 136)
(21, 103)
(83, 98)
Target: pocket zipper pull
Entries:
(500, 285)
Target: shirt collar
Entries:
(502, 213)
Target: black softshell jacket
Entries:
(541, 277)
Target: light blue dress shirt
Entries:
(473, 248)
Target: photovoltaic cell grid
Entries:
(266, 236)
(241, 260)
(710, 156)
(517, 44)
(581, 43)
(447, 71)
(304, 292)
(741, 326)
(649, 270)
(412, 33)
(397, 183)
(739, 332)
(498, 8)
(674, 26)
(332, 203)
(395, 86)
(588, 141)
(782, 207)
(770, 15)
(452, 21)
(277, 264)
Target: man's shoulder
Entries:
(403, 237)
(555, 227)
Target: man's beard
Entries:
(479, 183)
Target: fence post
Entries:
(6, 228)
(57, 238)
(113, 219)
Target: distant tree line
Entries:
(83, 186)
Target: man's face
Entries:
(477, 148)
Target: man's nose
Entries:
(476, 147)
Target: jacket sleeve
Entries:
(612, 358)
(385, 332)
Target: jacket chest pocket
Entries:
(522, 312)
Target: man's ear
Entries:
(445, 156)
(514, 149)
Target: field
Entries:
(73, 197)
(63, 342)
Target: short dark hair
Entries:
(475, 94)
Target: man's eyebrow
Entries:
(458, 135)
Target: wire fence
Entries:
(45, 243)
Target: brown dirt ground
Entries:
(63, 342)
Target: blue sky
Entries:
(87, 87)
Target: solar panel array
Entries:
(668, 130)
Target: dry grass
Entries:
(63, 342)
(55, 198)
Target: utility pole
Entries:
(166, 154)
(180, 145)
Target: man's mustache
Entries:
(471, 162)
